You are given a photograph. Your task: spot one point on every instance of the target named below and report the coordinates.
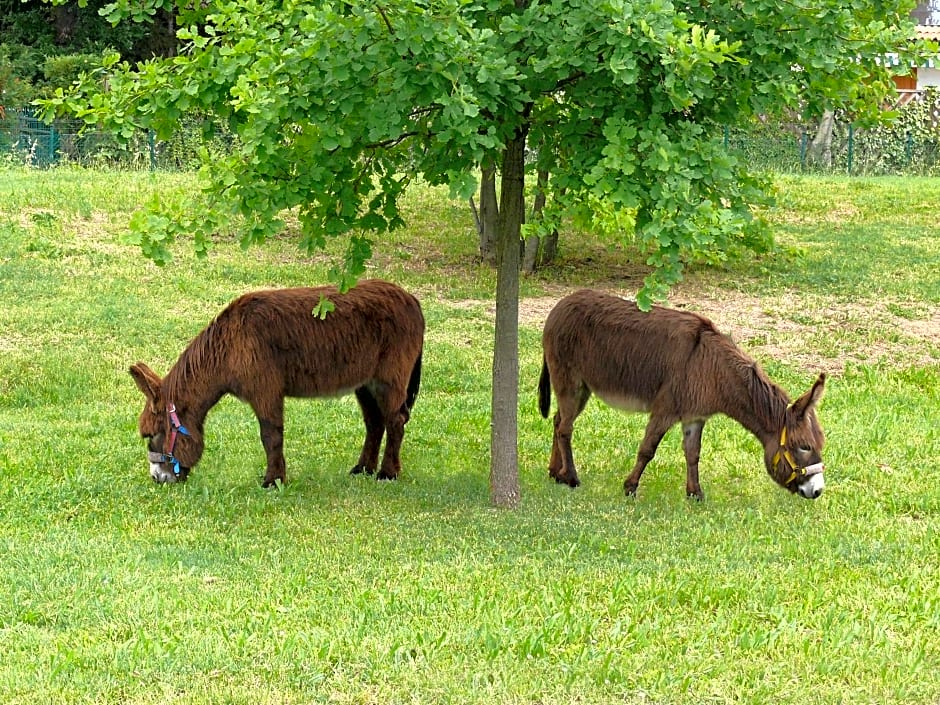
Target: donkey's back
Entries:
(625, 356)
(374, 332)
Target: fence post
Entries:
(851, 147)
(53, 146)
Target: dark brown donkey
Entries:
(679, 368)
(268, 345)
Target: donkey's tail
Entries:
(545, 390)
(414, 384)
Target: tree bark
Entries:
(549, 248)
(538, 250)
(489, 213)
(504, 460)
(820, 149)
(550, 242)
(533, 256)
(65, 19)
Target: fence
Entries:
(785, 148)
(777, 147)
(34, 142)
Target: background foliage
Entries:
(45, 45)
(912, 142)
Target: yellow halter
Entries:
(797, 471)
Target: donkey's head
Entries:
(172, 449)
(794, 459)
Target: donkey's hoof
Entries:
(629, 489)
(572, 482)
(362, 470)
(697, 496)
(386, 476)
(268, 482)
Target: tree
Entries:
(338, 106)
(820, 148)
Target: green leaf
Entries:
(323, 308)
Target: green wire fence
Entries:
(776, 147)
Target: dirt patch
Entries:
(810, 332)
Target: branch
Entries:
(385, 144)
(565, 82)
(388, 23)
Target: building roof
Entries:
(925, 31)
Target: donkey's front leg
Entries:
(271, 422)
(272, 438)
(692, 445)
(656, 428)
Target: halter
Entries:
(176, 428)
(797, 471)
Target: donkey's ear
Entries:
(148, 382)
(809, 400)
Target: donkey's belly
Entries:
(329, 382)
(311, 391)
(619, 400)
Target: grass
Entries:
(338, 589)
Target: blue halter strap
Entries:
(176, 428)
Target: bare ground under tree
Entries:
(811, 332)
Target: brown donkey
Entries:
(679, 368)
(268, 345)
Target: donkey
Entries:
(268, 345)
(676, 366)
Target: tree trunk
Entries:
(539, 251)
(533, 256)
(65, 19)
(530, 254)
(820, 149)
(489, 213)
(504, 459)
(549, 248)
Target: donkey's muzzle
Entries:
(165, 468)
(814, 484)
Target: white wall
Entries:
(928, 77)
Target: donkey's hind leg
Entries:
(375, 428)
(561, 464)
(396, 416)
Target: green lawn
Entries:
(341, 589)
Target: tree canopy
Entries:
(338, 106)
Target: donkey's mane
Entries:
(203, 353)
(769, 400)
